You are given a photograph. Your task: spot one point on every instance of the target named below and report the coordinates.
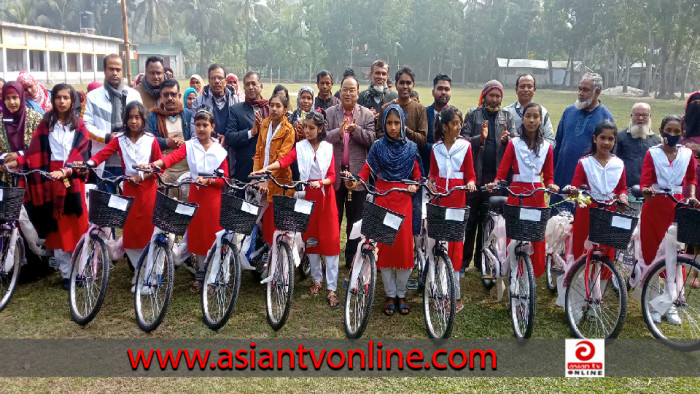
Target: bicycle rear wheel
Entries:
(358, 301)
(684, 333)
(280, 288)
(9, 276)
(88, 285)
(439, 298)
(154, 287)
(421, 254)
(598, 312)
(219, 297)
(488, 276)
(522, 297)
(551, 276)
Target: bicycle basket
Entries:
(11, 202)
(237, 215)
(171, 215)
(381, 224)
(108, 210)
(526, 223)
(688, 220)
(611, 228)
(447, 224)
(291, 214)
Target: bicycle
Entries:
(223, 265)
(154, 281)
(657, 299)
(558, 237)
(90, 260)
(594, 309)
(291, 216)
(378, 225)
(523, 225)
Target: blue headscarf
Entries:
(187, 93)
(393, 159)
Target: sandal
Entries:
(196, 287)
(333, 299)
(390, 307)
(403, 307)
(315, 288)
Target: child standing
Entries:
(451, 165)
(316, 165)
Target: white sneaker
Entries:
(133, 289)
(672, 316)
(655, 316)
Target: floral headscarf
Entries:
(41, 97)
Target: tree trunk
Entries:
(687, 67)
(674, 67)
(615, 62)
(247, 29)
(626, 72)
(650, 57)
(430, 64)
(464, 68)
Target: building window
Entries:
(15, 60)
(87, 63)
(37, 62)
(72, 60)
(56, 61)
(100, 63)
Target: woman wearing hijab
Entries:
(188, 97)
(197, 83)
(18, 124)
(38, 98)
(391, 159)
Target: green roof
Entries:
(158, 49)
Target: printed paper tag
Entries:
(531, 215)
(249, 208)
(456, 215)
(621, 222)
(303, 206)
(117, 202)
(392, 221)
(183, 209)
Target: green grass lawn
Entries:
(40, 310)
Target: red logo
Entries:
(585, 350)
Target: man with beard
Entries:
(576, 128)
(325, 98)
(488, 128)
(218, 98)
(442, 92)
(634, 142)
(103, 113)
(149, 88)
(377, 94)
(525, 88)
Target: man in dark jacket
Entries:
(377, 94)
(634, 142)
(217, 97)
(442, 92)
(241, 136)
(488, 128)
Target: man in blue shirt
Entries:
(576, 128)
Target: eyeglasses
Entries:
(346, 90)
(169, 95)
(216, 79)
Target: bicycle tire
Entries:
(523, 319)
(581, 309)
(420, 258)
(283, 296)
(551, 277)
(439, 297)
(149, 286)
(488, 226)
(8, 279)
(686, 312)
(304, 267)
(358, 304)
(225, 290)
(83, 306)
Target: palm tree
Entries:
(252, 11)
(201, 18)
(148, 12)
(20, 11)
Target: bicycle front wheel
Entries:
(9, 271)
(439, 298)
(596, 303)
(281, 287)
(360, 296)
(488, 274)
(220, 288)
(154, 286)
(673, 316)
(88, 279)
(522, 297)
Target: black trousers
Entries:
(473, 236)
(353, 211)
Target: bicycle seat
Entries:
(496, 203)
(636, 191)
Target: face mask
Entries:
(671, 140)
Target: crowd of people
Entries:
(383, 135)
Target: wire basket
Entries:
(237, 215)
(688, 220)
(526, 223)
(447, 224)
(381, 224)
(171, 215)
(291, 214)
(611, 228)
(108, 210)
(11, 199)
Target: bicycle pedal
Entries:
(412, 284)
(557, 271)
(487, 277)
(346, 284)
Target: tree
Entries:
(201, 18)
(250, 12)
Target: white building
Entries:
(53, 56)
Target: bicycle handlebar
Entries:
(424, 183)
(267, 175)
(503, 185)
(90, 166)
(584, 190)
(155, 169)
(219, 174)
(356, 178)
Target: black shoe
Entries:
(66, 284)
